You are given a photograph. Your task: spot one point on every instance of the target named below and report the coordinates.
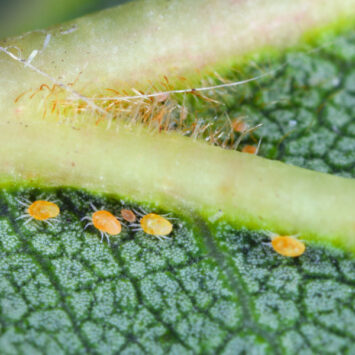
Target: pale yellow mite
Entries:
(153, 224)
(288, 246)
(156, 225)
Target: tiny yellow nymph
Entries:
(288, 246)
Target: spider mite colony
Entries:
(104, 221)
(158, 226)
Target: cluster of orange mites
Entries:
(153, 224)
(104, 221)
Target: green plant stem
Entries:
(140, 42)
(176, 172)
(143, 41)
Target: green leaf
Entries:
(207, 290)
(211, 289)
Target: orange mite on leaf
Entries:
(105, 222)
(128, 215)
(42, 210)
(152, 224)
(39, 210)
(156, 225)
(239, 126)
(251, 149)
(288, 246)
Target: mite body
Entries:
(128, 215)
(153, 224)
(105, 222)
(39, 210)
(156, 225)
(288, 246)
(251, 149)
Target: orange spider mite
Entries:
(251, 149)
(42, 210)
(239, 126)
(128, 215)
(39, 210)
(288, 246)
(105, 222)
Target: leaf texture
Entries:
(211, 289)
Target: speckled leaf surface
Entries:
(211, 289)
(306, 107)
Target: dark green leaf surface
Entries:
(306, 107)
(211, 289)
